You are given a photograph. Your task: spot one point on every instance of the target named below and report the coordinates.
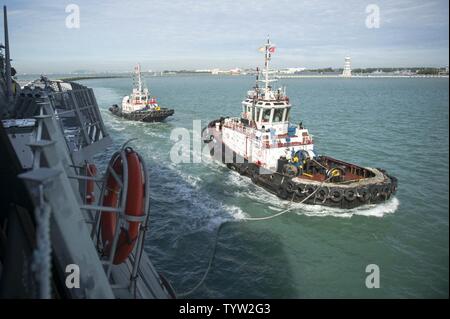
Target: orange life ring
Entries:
(91, 171)
(134, 207)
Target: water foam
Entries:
(205, 211)
(370, 210)
(192, 180)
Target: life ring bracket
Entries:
(126, 221)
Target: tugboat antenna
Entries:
(266, 67)
(8, 79)
(138, 71)
(268, 49)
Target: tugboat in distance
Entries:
(140, 106)
(262, 144)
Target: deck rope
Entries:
(213, 253)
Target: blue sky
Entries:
(197, 34)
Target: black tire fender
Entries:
(299, 192)
(281, 192)
(336, 195)
(350, 194)
(386, 191)
(308, 190)
(322, 194)
(290, 186)
(375, 192)
(394, 183)
(364, 194)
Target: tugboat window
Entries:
(266, 115)
(286, 114)
(278, 115)
(286, 117)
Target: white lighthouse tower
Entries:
(347, 68)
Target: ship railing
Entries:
(78, 109)
(57, 212)
(75, 108)
(96, 210)
(39, 180)
(237, 126)
(62, 161)
(265, 141)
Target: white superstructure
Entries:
(347, 72)
(263, 134)
(140, 99)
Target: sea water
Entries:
(400, 125)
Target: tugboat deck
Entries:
(348, 182)
(322, 177)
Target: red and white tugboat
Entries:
(140, 106)
(263, 145)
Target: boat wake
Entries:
(371, 210)
(202, 211)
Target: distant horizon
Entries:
(188, 34)
(88, 72)
(144, 69)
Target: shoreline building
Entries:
(347, 72)
(291, 70)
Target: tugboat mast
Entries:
(266, 68)
(268, 49)
(139, 79)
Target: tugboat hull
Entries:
(378, 190)
(360, 186)
(143, 116)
